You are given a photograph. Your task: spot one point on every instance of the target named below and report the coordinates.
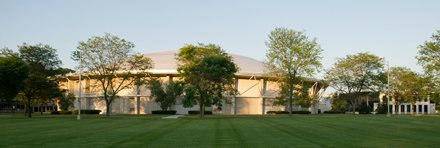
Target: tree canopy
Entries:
(165, 96)
(408, 86)
(13, 72)
(291, 54)
(113, 63)
(429, 57)
(43, 64)
(208, 74)
(354, 74)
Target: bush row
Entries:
(286, 112)
(164, 112)
(86, 111)
(196, 112)
(74, 112)
(61, 113)
(334, 112)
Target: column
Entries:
(394, 109)
(417, 109)
(429, 105)
(138, 99)
(263, 93)
(234, 103)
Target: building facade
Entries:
(256, 92)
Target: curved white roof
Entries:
(165, 62)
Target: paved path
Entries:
(172, 117)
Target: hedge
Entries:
(286, 112)
(164, 112)
(61, 113)
(196, 112)
(86, 111)
(333, 112)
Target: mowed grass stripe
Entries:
(222, 131)
(149, 134)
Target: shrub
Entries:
(196, 112)
(164, 112)
(382, 109)
(437, 107)
(364, 108)
(286, 112)
(86, 111)
(339, 105)
(333, 112)
(61, 113)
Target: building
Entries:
(422, 106)
(256, 92)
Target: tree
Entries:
(208, 73)
(355, 74)
(165, 96)
(112, 63)
(40, 83)
(13, 72)
(66, 101)
(291, 54)
(429, 58)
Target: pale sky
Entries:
(391, 29)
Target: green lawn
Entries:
(220, 131)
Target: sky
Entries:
(391, 29)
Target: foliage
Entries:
(286, 112)
(355, 74)
(40, 84)
(66, 101)
(429, 58)
(112, 62)
(334, 112)
(339, 105)
(408, 86)
(86, 111)
(428, 54)
(61, 113)
(166, 97)
(365, 108)
(13, 72)
(208, 74)
(196, 112)
(382, 108)
(291, 54)
(164, 112)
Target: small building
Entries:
(422, 106)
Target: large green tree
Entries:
(429, 57)
(43, 65)
(208, 74)
(357, 74)
(165, 94)
(408, 86)
(291, 54)
(113, 63)
(13, 72)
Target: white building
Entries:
(256, 93)
(423, 106)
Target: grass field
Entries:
(221, 131)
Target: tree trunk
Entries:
(354, 106)
(41, 109)
(107, 104)
(29, 109)
(202, 107)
